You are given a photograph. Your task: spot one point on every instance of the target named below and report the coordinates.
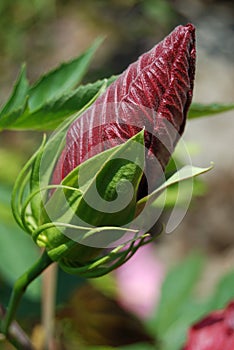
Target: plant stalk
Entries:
(20, 287)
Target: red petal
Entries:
(153, 91)
(214, 332)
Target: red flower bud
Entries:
(152, 93)
(214, 332)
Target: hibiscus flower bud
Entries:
(114, 154)
(157, 88)
(214, 332)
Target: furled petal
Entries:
(153, 94)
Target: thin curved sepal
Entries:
(109, 262)
(20, 187)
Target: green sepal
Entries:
(97, 169)
(21, 188)
(187, 172)
(125, 164)
(105, 170)
(110, 261)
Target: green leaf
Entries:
(175, 336)
(53, 98)
(55, 111)
(18, 97)
(224, 292)
(61, 80)
(198, 110)
(176, 290)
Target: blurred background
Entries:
(43, 33)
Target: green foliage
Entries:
(198, 110)
(17, 99)
(175, 292)
(52, 98)
(62, 79)
(224, 292)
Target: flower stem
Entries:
(20, 287)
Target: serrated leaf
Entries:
(198, 110)
(61, 80)
(18, 97)
(7, 121)
(54, 112)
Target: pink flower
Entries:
(153, 92)
(214, 332)
(139, 282)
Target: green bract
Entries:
(47, 212)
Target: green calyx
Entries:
(89, 211)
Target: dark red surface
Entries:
(214, 332)
(155, 89)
